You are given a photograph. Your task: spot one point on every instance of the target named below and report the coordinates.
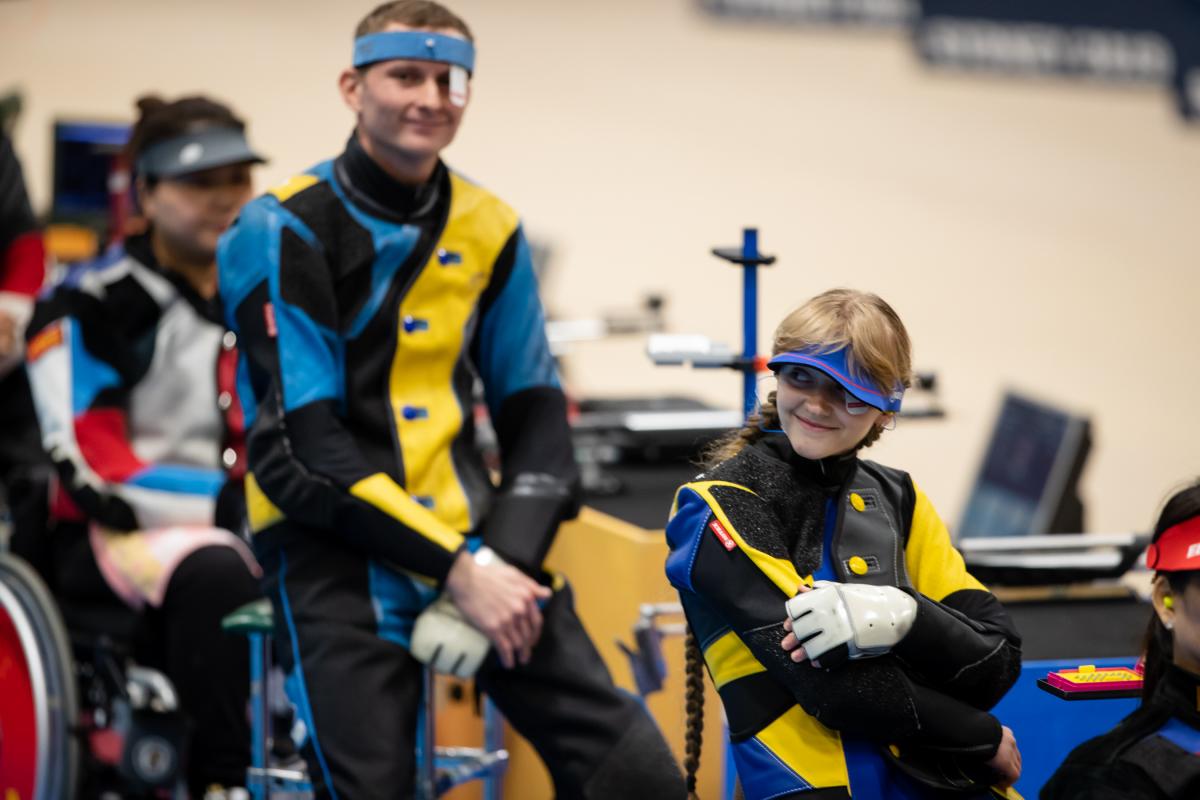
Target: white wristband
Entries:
(485, 556)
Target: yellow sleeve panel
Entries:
(808, 747)
(385, 494)
(728, 659)
(781, 571)
(935, 567)
(478, 226)
(261, 513)
(293, 185)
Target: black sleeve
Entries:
(962, 641)
(965, 646)
(539, 477)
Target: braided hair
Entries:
(694, 706)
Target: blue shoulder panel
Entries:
(89, 375)
(248, 255)
(249, 251)
(683, 537)
(310, 355)
(393, 242)
(513, 351)
(244, 253)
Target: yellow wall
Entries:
(1033, 233)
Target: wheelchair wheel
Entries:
(38, 750)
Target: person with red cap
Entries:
(1155, 751)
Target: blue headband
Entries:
(418, 45)
(834, 365)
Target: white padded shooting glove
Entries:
(869, 620)
(445, 641)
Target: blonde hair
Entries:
(871, 331)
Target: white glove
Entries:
(869, 620)
(446, 642)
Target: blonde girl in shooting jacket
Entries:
(876, 678)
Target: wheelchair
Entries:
(80, 716)
(38, 749)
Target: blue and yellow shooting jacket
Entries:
(744, 536)
(368, 311)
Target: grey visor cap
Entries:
(196, 152)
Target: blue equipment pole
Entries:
(750, 259)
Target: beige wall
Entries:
(1034, 234)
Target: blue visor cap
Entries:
(834, 365)
(195, 152)
(418, 45)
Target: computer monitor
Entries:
(1028, 482)
(85, 154)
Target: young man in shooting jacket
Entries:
(370, 292)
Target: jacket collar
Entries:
(379, 193)
(140, 249)
(829, 473)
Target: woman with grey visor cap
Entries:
(133, 375)
(854, 654)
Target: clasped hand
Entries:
(486, 603)
(865, 620)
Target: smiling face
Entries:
(405, 114)
(818, 416)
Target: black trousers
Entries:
(24, 470)
(361, 692)
(183, 638)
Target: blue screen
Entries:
(1016, 470)
(83, 159)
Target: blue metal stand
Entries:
(749, 259)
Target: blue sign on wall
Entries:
(1153, 41)
(1140, 41)
(849, 12)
